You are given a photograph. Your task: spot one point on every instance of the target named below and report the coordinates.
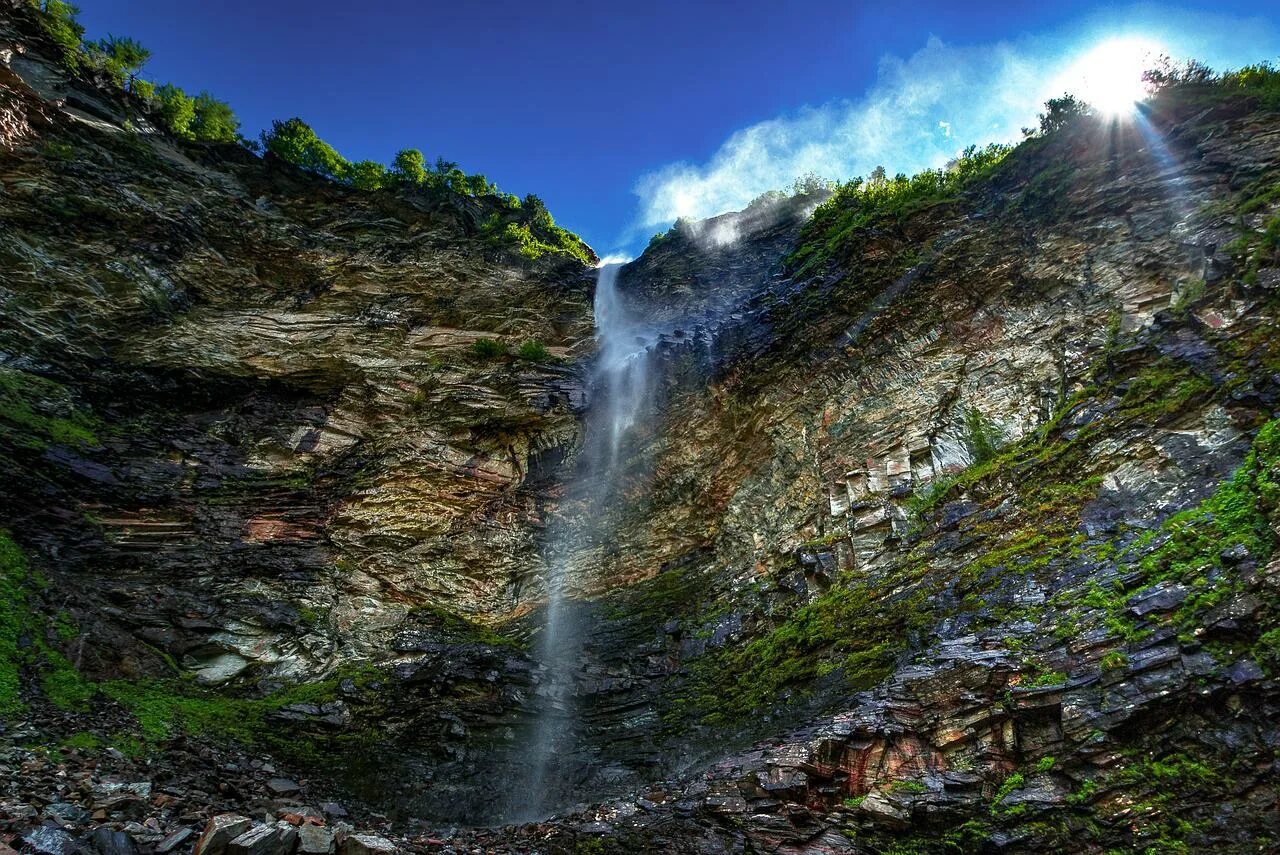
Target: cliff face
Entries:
(967, 510)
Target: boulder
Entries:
(220, 831)
(174, 840)
(316, 840)
(367, 844)
(283, 786)
(49, 840)
(258, 840)
(105, 841)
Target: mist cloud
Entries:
(921, 111)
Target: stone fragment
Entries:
(883, 810)
(283, 786)
(1245, 671)
(49, 840)
(258, 840)
(315, 840)
(174, 840)
(106, 841)
(1161, 597)
(220, 831)
(367, 844)
(67, 812)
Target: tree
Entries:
(294, 141)
(410, 167)
(177, 110)
(878, 177)
(122, 58)
(367, 175)
(1060, 112)
(214, 120)
(60, 24)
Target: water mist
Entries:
(618, 391)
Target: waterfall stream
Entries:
(619, 390)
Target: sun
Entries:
(1108, 76)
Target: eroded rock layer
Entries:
(954, 530)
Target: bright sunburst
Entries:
(1109, 75)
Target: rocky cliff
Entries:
(953, 530)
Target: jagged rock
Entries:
(366, 844)
(283, 786)
(262, 840)
(105, 841)
(315, 840)
(220, 831)
(49, 840)
(174, 840)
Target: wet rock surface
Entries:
(961, 540)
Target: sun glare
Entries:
(1109, 75)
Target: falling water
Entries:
(618, 391)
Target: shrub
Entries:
(214, 120)
(409, 166)
(177, 110)
(534, 351)
(367, 175)
(58, 20)
(122, 58)
(859, 204)
(488, 348)
(1062, 111)
(295, 142)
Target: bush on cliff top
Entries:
(527, 229)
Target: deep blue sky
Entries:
(572, 101)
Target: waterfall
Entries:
(618, 391)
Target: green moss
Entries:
(1048, 678)
(854, 628)
(913, 787)
(1014, 782)
(36, 412)
(1115, 660)
(1045, 764)
(14, 623)
(83, 741)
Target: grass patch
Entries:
(36, 412)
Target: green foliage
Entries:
(1045, 764)
(853, 628)
(981, 436)
(488, 349)
(122, 58)
(530, 231)
(534, 351)
(83, 741)
(1060, 112)
(14, 623)
(177, 110)
(858, 205)
(58, 20)
(1048, 678)
(293, 141)
(1260, 81)
(368, 175)
(1016, 781)
(1114, 660)
(214, 120)
(36, 412)
(409, 167)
